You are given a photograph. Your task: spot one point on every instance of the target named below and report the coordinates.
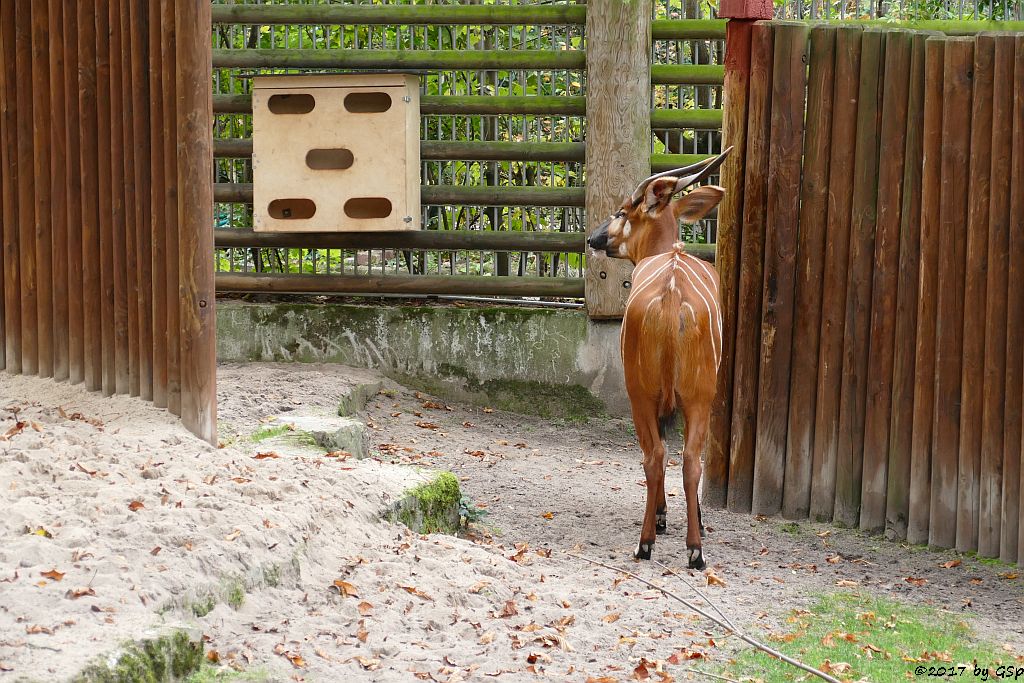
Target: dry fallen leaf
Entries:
(488, 410)
(685, 655)
(416, 591)
(601, 679)
(213, 656)
(714, 579)
(53, 574)
(837, 668)
(365, 608)
(950, 564)
(155, 551)
(13, 431)
(79, 467)
(135, 505)
(4, 666)
(846, 583)
(264, 456)
(487, 638)
(479, 586)
(76, 593)
(510, 609)
(1010, 576)
(549, 515)
(913, 581)
(609, 618)
(346, 589)
(368, 663)
(423, 424)
(233, 535)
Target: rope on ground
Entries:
(721, 621)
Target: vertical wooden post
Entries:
(789, 75)
(905, 340)
(58, 198)
(990, 484)
(882, 327)
(195, 209)
(104, 197)
(858, 291)
(618, 132)
(8, 157)
(949, 324)
(810, 269)
(73, 187)
(919, 519)
(132, 294)
(41, 184)
(158, 223)
(972, 369)
(743, 423)
(139, 15)
(172, 325)
(837, 248)
(122, 334)
(90, 256)
(26, 192)
(730, 227)
(1011, 543)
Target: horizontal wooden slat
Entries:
(414, 60)
(492, 15)
(666, 162)
(241, 193)
(401, 284)
(541, 105)
(486, 240)
(687, 74)
(688, 29)
(453, 149)
(701, 119)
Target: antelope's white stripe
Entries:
(711, 275)
(711, 315)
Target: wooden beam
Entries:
(449, 194)
(73, 185)
(405, 60)
(169, 135)
(9, 247)
(138, 21)
(481, 285)
(618, 133)
(104, 189)
(485, 240)
(195, 212)
(443, 15)
(27, 293)
(58, 196)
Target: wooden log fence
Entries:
(105, 113)
(877, 347)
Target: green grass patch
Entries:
(211, 674)
(859, 637)
(270, 433)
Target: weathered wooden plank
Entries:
(125, 362)
(856, 339)
(28, 291)
(89, 134)
(41, 168)
(73, 187)
(158, 213)
(837, 249)
(485, 240)
(1010, 543)
(737, 82)
(8, 158)
(430, 60)
(104, 203)
(484, 285)
(897, 503)
(138, 11)
(973, 364)
(810, 269)
(58, 198)
(619, 134)
(882, 326)
(990, 483)
(402, 14)
(928, 283)
(949, 324)
(195, 211)
(748, 313)
(170, 146)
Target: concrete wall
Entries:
(551, 362)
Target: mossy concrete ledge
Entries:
(547, 362)
(171, 655)
(431, 507)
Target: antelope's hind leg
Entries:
(661, 513)
(654, 470)
(696, 435)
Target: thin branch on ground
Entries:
(711, 617)
(702, 672)
(700, 594)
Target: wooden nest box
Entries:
(336, 153)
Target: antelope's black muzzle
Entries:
(599, 240)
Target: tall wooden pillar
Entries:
(741, 15)
(618, 132)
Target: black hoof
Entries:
(661, 524)
(696, 559)
(643, 551)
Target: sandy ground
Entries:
(118, 521)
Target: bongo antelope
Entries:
(671, 336)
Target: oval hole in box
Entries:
(291, 209)
(368, 207)
(329, 159)
(291, 104)
(367, 102)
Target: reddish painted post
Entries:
(741, 14)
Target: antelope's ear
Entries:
(698, 203)
(658, 193)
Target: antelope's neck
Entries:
(654, 245)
